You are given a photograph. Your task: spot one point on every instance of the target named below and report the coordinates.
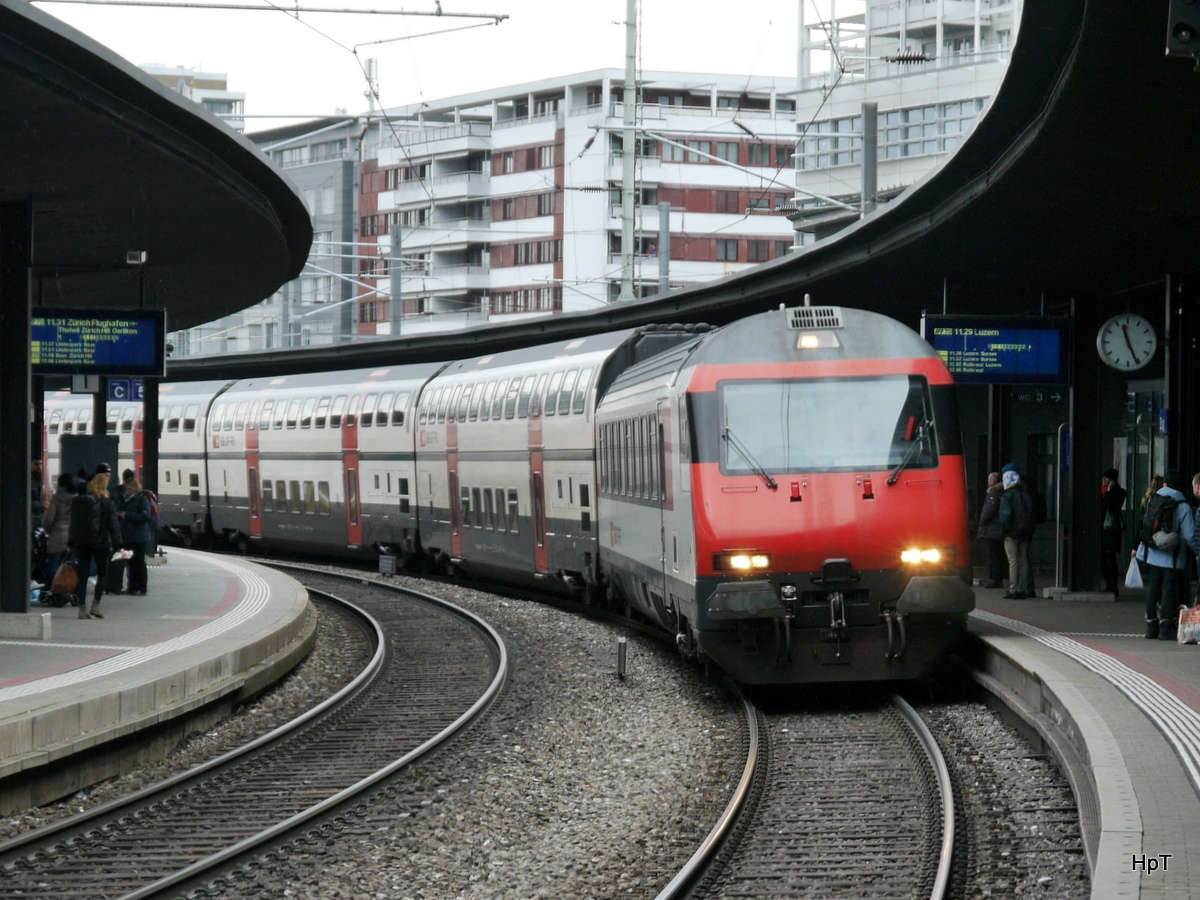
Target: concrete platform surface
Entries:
(210, 629)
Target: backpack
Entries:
(153, 498)
(1024, 518)
(1158, 523)
(86, 513)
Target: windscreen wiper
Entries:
(748, 457)
(919, 439)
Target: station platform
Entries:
(210, 631)
(1129, 708)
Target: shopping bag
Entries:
(1188, 631)
(1133, 575)
(66, 579)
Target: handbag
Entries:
(1188, 631)
(1110, 522)
(66, 579)
(1133, 575)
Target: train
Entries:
(785, 494)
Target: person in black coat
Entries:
(992, 535)
(1112, 528)
(94, 534)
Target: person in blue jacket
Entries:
(1165, 566)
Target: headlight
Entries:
(915, 555)
(740, 562)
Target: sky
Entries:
(312, 65)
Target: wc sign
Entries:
(122, 390)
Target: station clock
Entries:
(1126, 342)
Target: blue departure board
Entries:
(1002, 349)
(128, 342)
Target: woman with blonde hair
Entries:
(93, 536)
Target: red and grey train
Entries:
(785, 494)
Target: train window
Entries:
(114, 417)
(264, 417)
(535, 402)
(498, 401)
(306, 413)
(584, 496)
(281, 495)
(252, 417)
(240, 422)
(368, 411)
(485, 405)
(323, 497)
(351, 413)
(580, 404)
(55, 419)
(498, 520)
(194, 485)
(214, 418)
(173, 419)
(452, 403)
(464, 507)
(190, 414)
(489, 509)
(473, 410)
(443, 402)
(335, 414)
(510, 401)
(476, 507)
(280, 414)
(310, 498)
(227, 424)
(526, 393)
(293, 412)
(128, 420)
(398, 409)
(252, 491)
(322, 413)
(385, 409)
(294, 496)
(85, 418)
(567, 392)
(514, 522)
(268, 496)
(464, 401)
(68, 423)
(552, 393)
(638, 469)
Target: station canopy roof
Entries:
(114, 163)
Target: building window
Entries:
(546, 204)
(508, 162)
(727, 250)
(506, 209)
(728, 202)
(757, 251)
(726, 150)
(368, 311)
(782, 248)
(673, 153)
(546, 156)
(695, 148)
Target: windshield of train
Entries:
(825, 424)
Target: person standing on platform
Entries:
(94, 535)
(37, 495)
(991, 534)
(1166, 534)
(133, 509)
(1112, 527)
(1016, 523)
(57, 525)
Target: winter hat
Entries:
(1010, 477)
(1111, 474)
(1009, 467)
(103, 469)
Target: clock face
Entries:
(1126, 342)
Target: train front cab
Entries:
(829, 502)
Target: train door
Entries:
(252, 470)
(537, 511)
(457, 513)
(350, 466)
(668, 544)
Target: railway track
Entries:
(411, 697)
(834, 804)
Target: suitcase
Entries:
(114, 579)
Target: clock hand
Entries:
(1128, 342)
